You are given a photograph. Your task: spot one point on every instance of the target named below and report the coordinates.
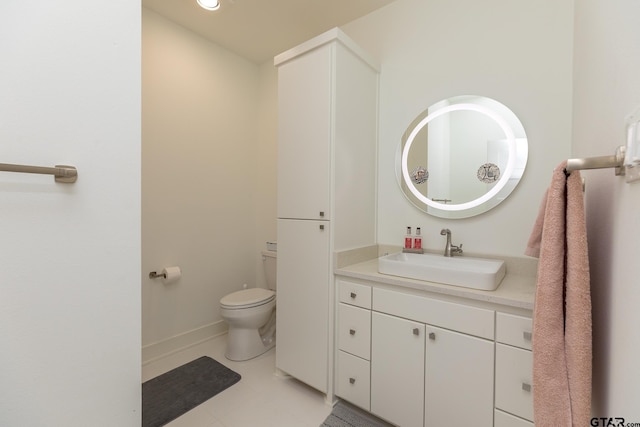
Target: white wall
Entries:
(70, 253)
(518, 53)
(208, 180)
(607, 88)
(266, 186)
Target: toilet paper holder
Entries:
(169, 274)
(156, 275)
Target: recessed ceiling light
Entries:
(209, 4)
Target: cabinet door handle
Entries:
(352, 380)
(526, 387)
(526, 335)
(321, 227)
(416, 331)
(322, 214)
(432, 336)
(353, 295)
(352, 331)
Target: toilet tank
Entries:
(269, 263)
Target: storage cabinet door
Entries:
(397, 370)
(302, 301)
(304, 135)
(459, 379)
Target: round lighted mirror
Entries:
(462, 157)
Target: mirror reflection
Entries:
(462, 156)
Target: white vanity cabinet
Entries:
(440, 355)
(514, 371)
(327, 127)
(431, 362)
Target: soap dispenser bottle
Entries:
(408, 239)
(417, 240)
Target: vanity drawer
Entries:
(353, 380)
(457, 317)
(354, 294)
(514, 330)
(502, 419)
(354, 330)
(514, 381)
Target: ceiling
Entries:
(260, 29)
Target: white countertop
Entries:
(515, 290)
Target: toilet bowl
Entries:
(250, 315)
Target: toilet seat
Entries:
(247, 298)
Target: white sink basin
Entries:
(474, 273)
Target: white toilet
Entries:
(251, 316)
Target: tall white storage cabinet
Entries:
(327, 144)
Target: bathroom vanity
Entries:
(419, 353)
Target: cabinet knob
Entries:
(322, 214)
(353, 295)
(526, 387)
(321, 227)
(352, 331)
(352, 380)
(526, 335)
(432, 336)
(416, 331)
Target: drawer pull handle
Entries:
(416, 331)
(432, 336)
(322, 214)
(526, 335)
(353, 295)
(322, 227)
(526, 387)
(352, 380)
(352, 331)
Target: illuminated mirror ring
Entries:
(511, 143)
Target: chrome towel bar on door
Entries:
(62, 173)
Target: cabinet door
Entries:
(397, 370)
(459, 379)
(302, 301)
(304, 135)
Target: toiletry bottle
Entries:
(417, 240)
(408, 239)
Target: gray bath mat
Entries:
(171, 394)
(345, 415)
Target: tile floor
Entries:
(259, 399)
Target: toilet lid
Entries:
(248, 298)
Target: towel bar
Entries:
(62, 173)
(615, 161)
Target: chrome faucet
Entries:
(449, 249)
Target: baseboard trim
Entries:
(160, 349)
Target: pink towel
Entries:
(562, 309)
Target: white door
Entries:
(397, 370)
(304, 135)
(302, 301)
(70, 253)
(459, 380)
